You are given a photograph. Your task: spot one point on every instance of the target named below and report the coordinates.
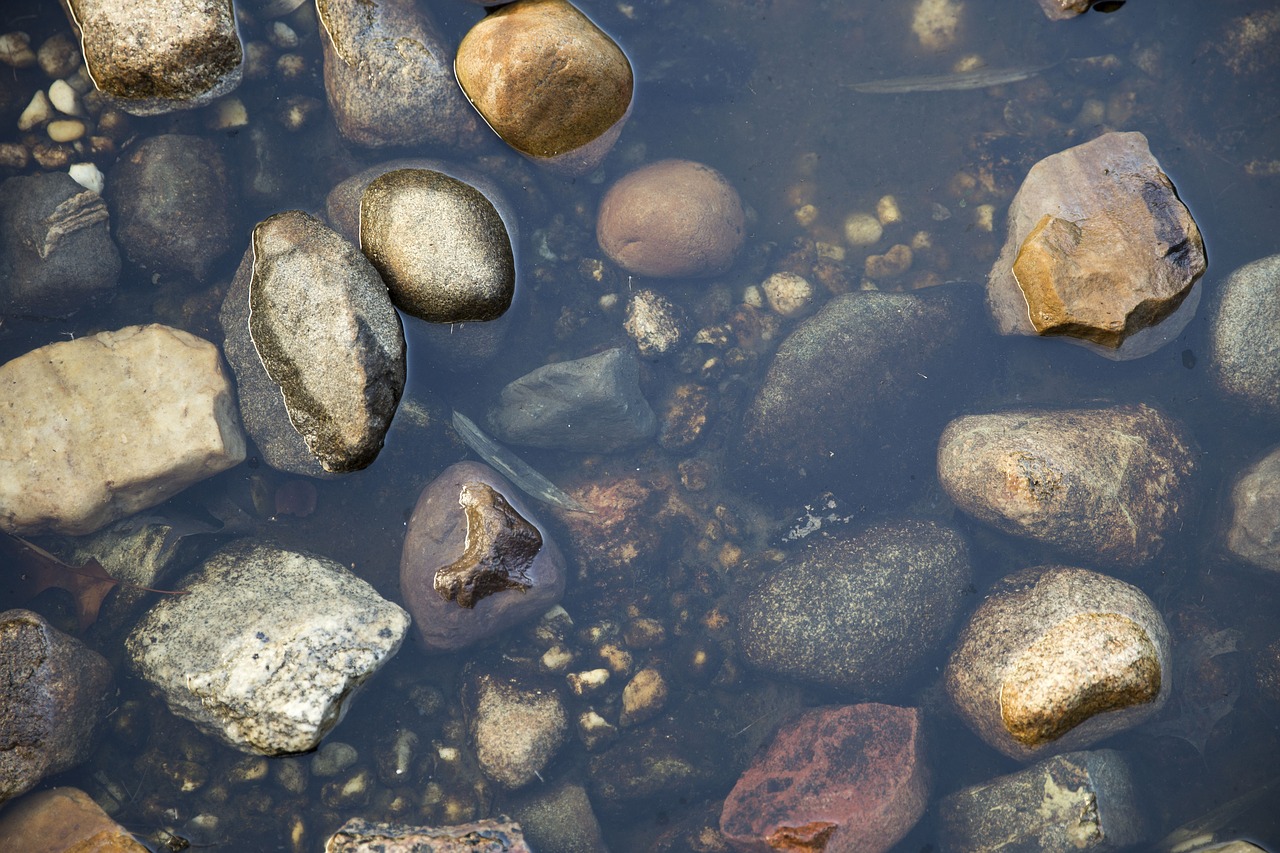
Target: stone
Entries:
(643, 697)
(1109, 485)
(837, 779)
(672, 219)
(1099, 248)
(654, 323)
(491, 835)
(515, 728)
(548, 81)
(159, 57)
(658, 763)
(172, 202)
(63, 819)
(1244, 336)
(1254, 531)
(440, 246)
(267, 648)
(159, 393)
(497, 580)
(859, 614)
(1061, 10)
(389, 78)
(1057, 658)
(1067, 803)
(56, 252)
(559, 819)
(788, 294)
(53, 699)
(589, 405)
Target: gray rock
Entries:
(158, 58)
(1104, 485)
(1244, 336)
(1068, 803)
(516, 728)
(172, 204)
(559, 819)
(1254, 532)
(490, 835)
(267, 648)
(56, 253)
(53, 696)
(440, 245)
(591, 405)
(859, 614)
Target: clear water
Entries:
(758, 89)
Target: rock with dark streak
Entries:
(500, 547)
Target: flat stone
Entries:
(516, 728)
(97, 428)
(63, 819)
(490, 835)
(1254, 531)
(1244, 336)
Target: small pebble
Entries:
(39, 111)
(984, 217)
(887, 210)
(584, 683)
(64, 98)
(862, 229)
(282, 36)
(66, 130)
(88, 176)
(643, 697)
(229, 114)
(58, 56)
(15, 50)
(333, 758)
(892, 263)
(789, 295)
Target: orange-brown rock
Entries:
(63, 819)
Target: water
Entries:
(757, 89)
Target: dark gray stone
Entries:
(1244, 336)
(559, 819)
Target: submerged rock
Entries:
(1254, 532)
(490, 835)
(516, 728)
(1244, 336)
(63, 819)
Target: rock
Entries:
(485, 836)
(643, 697)
(559, 819)
(1061, 10)
(686, 415)
(515, 728)
(1244, 336)
(1254, 532)
(1099, 248)
(1072, 802)
(1105, 485)
(548, 81)
(172, 202)
(159, 58)
(672, 219)
(56, 253)
(388, 76)
(63, 819)
(936, 23)
(53, 697)
(655, 324)
(440, 246)
(302, 635)
(859, 614)
(476, 560)
(1058, 658)
(160, 392)
(788, 294)
(837, 779)
(658, 763)
(590, 405)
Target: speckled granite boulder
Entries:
(1244, 336)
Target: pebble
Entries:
(789, 295)
(65, 130)
(862, 229)
(88, 176)
(15, 50)
(643, 698)
(39, 111)
(65, 98)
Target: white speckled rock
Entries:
(268, 646)
(516, 727)
(94, 429)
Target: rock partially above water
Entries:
(1244, 336)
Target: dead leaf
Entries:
(35, 570)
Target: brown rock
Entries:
(62, 820)
(500, 546)
(486, 836)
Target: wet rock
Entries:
(643, 697)
(491, 835)
(159, 58)
(655, 324)
(162, 388)
(63, 819)
(515, 727)
(1244, 336)
(559, 819)
(685, 416)
(53, 696)
(495, 581)
(672, 219)
(658, 763)
(1105, 485)
(1077, 801)
(389, 78)
(591, 405)
(303, 634)
(172, 202)
(1061, 10)
(859, 614)
(440, 246)
(1099, 249)
(548, 81)
(1254, 532)
(1058, 658)
(837, 779)
(56, 252)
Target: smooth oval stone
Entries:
(1244, 336)
(1254, 534)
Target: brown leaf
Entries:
(34, 570)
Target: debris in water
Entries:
(513, 467)
(981, 78)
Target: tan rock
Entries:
(1061, 10)
(63, 819)
(1254, 534)
(643, 697)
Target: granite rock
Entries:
(515, 727)
(1244, 336)
(559, 819)
(491, 835)
(1253, 534)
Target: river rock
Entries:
(672, 219)
(838, 779)
(591, 405)
(389, 78)
(159, 57)
(1061, 10)
(516, 728)
(1064, 804)
(172, 202)
(1105, 485)
(1244, 336)
(558, 818)
(1254, 531)
(267, 648)
(476, 560)
(1058, 658)
(859, 614)
(100, 427)
(440, 246)
(53, 696)
(63, 819)
(491, 835)
(655, 323)
(1099, 248)
(56, 252)
(548, 81)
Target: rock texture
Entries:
(1057, 658)
(516, 728)
(97, 428)
(839, 779)
(1254, 531)
(486, 836)
(63, 819)
(1099, 246)
(558, 818)
(267, 648)
(1105, 485)
(1244, 336)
